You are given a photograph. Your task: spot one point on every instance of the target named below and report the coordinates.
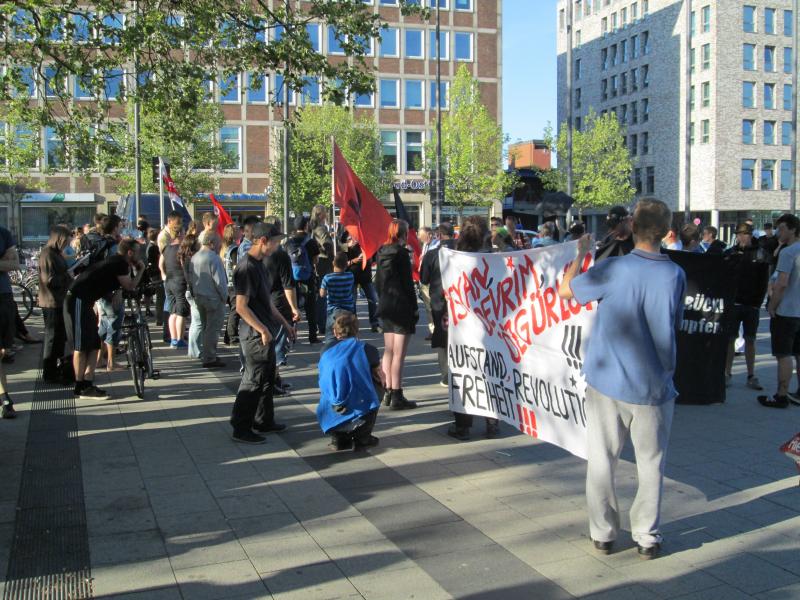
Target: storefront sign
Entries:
(59, 197)
(412, 185)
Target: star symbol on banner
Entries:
(510, 263)
(573, 381)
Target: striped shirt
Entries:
(339, 291)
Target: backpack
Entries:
(230, 262)
(301, 263)
(99, 249)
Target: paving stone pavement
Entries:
(175, 509)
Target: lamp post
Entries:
(795, 49)
(570, 109)
(137, 149)
(439, 178)
(687, 176)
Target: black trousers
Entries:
(232, 323)
(161, 296)
(55, 337)
(310, 294)
(361, 433)
(254, 399)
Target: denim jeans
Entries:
(212, 316)
(281, 346)
(372, 301)
(195, 330)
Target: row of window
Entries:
(616, 54)
(639, 143)
(705, 13)
(634, 113)
(770, 60)
(583, 8)
(616, 22)
(705, 95)
(705, 54)
(766, 180)
(769, 132)
(749, 99)
(648, 186)
(412, 154)
(624, 83)
(229, 139)
(705, 132)
(750, 20)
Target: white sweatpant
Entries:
(609, 422)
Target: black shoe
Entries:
(377, 329)
(314, 340)
(8, 359)
(794, 398)
(8, 411)
(248, 437)
(400, 402)
(603, 547)
(279, 391)
(387, 397)
(369, 442)
(340, 442)
(272, 428)
(775, 401)
(649, 552)
(214, 364)
(92, 392)
(492, 430)
(460, 433)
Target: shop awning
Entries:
(60, 197)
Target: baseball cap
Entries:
(300, 223)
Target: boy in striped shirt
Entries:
(337, 288)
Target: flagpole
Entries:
(333, 184)
(160, 192)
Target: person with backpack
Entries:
(304, 251)
(327, 251)
(109, 307)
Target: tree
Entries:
(601, 163)
(472, 148)
(313, 127)
(110, 52)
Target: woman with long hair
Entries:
(397, 307)
(474, 237)
(321, 233)
(54, 281)
(189, 246)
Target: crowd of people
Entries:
(256, 284)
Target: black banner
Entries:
(704, 333)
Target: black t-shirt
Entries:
(171, 263)
(360, 275)
(279, 267)
(431, 275)
(100, 279)
(251, 279)
(752, 275)
(611, 246)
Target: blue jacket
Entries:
(345, 378)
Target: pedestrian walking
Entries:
(209, 288)
(9, 261)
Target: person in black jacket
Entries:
(619, 240)
(362, 276)
(397, 308)
(752, 278)
(54, 281)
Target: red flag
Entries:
(360, 212)
(413, 240)
(223, 218)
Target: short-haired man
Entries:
(784, 308)
(99, 280)
(546, 232)
(429, 242)
(247, 235)
(710, 243)
(171, 230)
(690, 238)
(261, 321)
(209, 284)
(209, 222)
(769, 244)
(629, 367)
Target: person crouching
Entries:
(350, 381)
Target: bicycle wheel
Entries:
(136, 365)
(24, 300)
(147, 345)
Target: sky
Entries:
(529, 67)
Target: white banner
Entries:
(516, 349)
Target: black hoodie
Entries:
(397, 300)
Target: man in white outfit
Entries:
(629, 366)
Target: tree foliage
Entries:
(160, 52)
(472, 148)
(312, 130)
(601, 163)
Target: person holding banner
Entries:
(397, 308)
(629, 367)
(619, 240)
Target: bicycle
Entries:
(23, 298)
(140, 346)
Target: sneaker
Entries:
(92, 393)
(775, 401)
(271, 428)
(248, 437)
(314, 340)
(181, 344)
(603, 547)
(753, 383)
(339, 443)
(9, 412)
(444, 384)
(280, 391)
(649, 552)
(459, 433)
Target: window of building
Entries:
(604, 59)
(113, 84)
(604, 89)
(113, 24)
(634, 80)
(786, 175)
(604, 25)
(788, 23)
(769, 21)
(389, 93)
(635, 49)
(443, 94)
(691, 61)
(651, 180)
(748, 94)
(692, 24)
(749, 57)
(706, 18)
(444, 42)
(53, 83)
(614, 86)
(623, 83)
(634, 112)
(614, 57)
(634, 11)
(637, 180)
(645, 143)
(613, 21)
(706, 54)
(257, 85)
(769, 95)
(230, 138)
(313, 31)
(769, 133)
(623, 114)
(623, 51)
(390, 42)
(578, 123)
(577, 69)
(748, 126)
(748, 177)
(578, 98)
(769, 59)
(390, 153)
(53, 149)
(311, 92)
(388, 2)
(229, 89)
(691, 97)
(645, 43)
(787, 96)
(279, 91)
(705, 93)
(645, 110)
(414, 94)
(749, 20)
(623, 14)
(414, 45)
(767, 174)
(645, 76)
(83, 87)
(335, 40)
(645, 7)
(463, 46)
(633, 145)
(788, 60)
(81, 27)
(578, 38)
(463, 4)
(691, 133)
(786, 133)
(414, 156)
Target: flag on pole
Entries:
(223, 218)
(360, 212)
(413, 240)
(172, 191)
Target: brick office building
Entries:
(404, 106)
